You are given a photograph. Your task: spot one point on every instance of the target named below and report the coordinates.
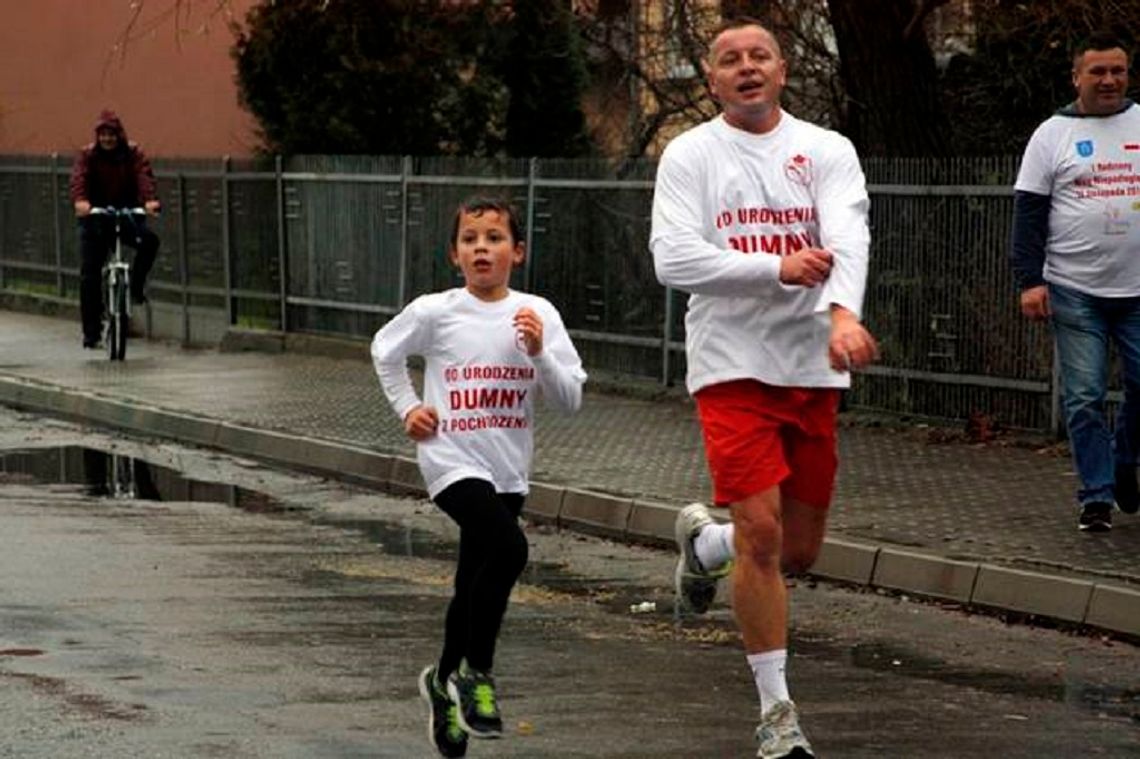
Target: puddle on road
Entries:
(903, 662)
(401, 540)
(103, 474)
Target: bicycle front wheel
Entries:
(117, 323)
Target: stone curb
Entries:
(1105, 606)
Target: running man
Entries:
(762, 218)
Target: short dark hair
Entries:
(480, 204)
(1100, 40)
(739, 22)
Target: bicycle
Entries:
(117, 281)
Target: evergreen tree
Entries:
(368, 76)
(546, 76)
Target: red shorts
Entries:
(758, 436)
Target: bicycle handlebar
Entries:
(112, 211)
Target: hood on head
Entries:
(108, 119)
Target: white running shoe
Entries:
(779, 734)
(695, 586)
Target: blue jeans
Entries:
(1083, 325)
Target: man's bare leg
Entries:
(771, 537)
(759, 598)
(804, 527)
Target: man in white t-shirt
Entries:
(1076, 259)
(762, 218)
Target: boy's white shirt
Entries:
(724, 201)
(480, 380)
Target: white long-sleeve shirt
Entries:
(480, 380)
(726, 205)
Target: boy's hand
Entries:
(421, 423)
(851, 346)
(529, 329)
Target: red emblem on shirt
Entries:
(798, 169)
(1132, 146)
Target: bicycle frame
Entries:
(117, 279)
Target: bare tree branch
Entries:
(921, 11)
(137, 27)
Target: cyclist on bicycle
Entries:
(111, 171)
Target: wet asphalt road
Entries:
(290, 619)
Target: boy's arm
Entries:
(559, 369)
(405, 335)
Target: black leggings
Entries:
(492, 555)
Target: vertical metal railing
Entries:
(402, 284)
(184, 258)
(528, 262)
(282, 250)
(667, 340)
(227, 254)
(57, 226)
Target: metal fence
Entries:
(336, 244)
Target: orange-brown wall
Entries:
(174, 88)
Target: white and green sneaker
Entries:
(779, 734)
(444, 729)
(695, 585)
(474, 692)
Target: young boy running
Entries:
(487, 350)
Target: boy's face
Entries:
(485, 252)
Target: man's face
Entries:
(108, 138)
(746, 72)
(1101, 79)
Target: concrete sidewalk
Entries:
(982, 525)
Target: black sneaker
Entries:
(1127, 491)
(474, 691)
(444, 730)
(92, 343)
(1096, 516)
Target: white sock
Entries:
(713, 546)
(768, 671)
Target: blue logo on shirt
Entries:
(1085, 148)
